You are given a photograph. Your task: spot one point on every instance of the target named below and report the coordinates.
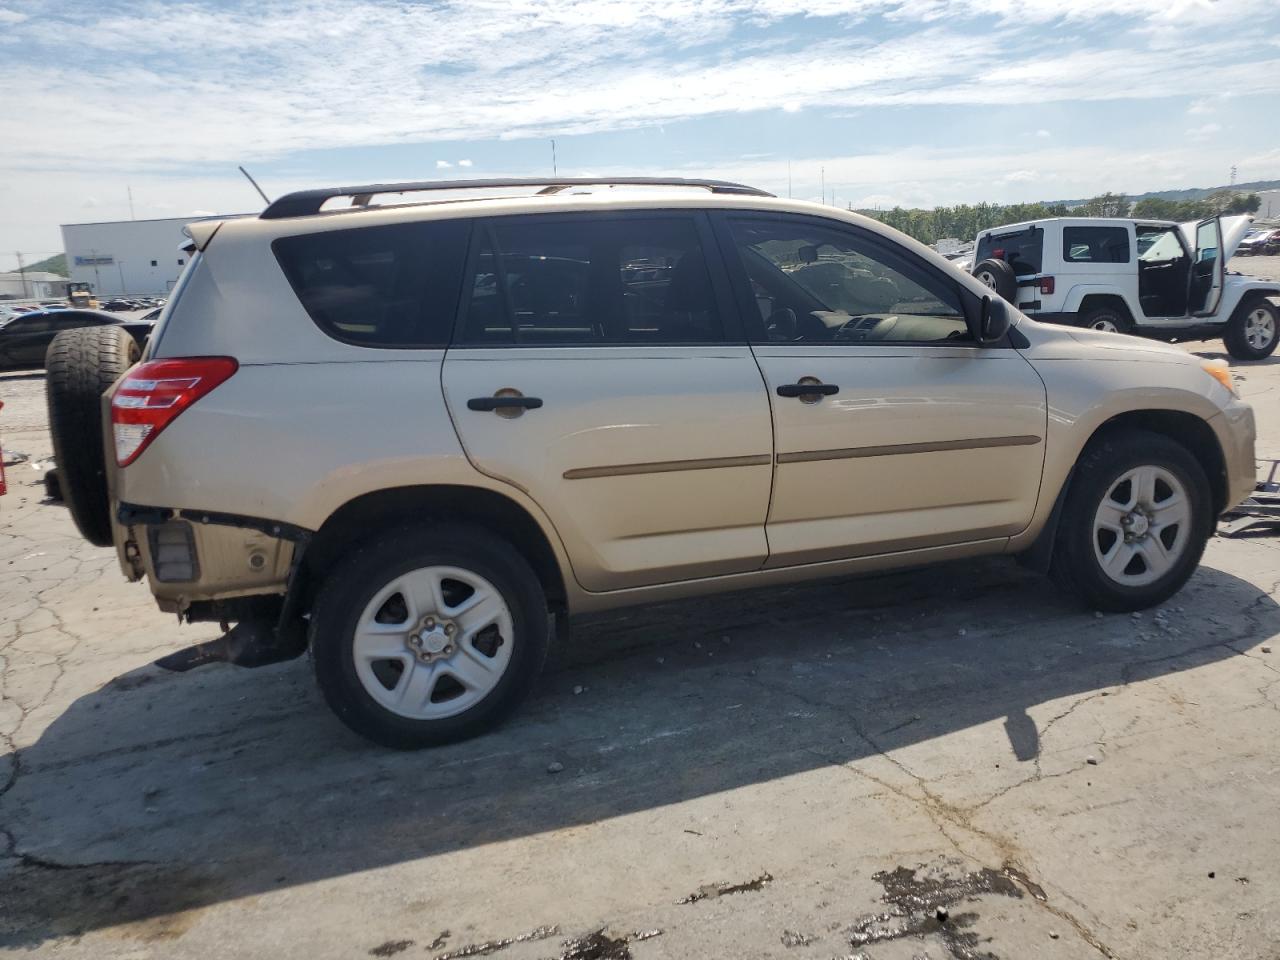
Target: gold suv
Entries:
(406, 434)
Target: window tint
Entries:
(390, 286)
(1021, 249)
(1095, 244)
(812, 283)
(591, 281)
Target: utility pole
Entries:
(788, 179)
(22, 272)
(554, 171)
(822, 176)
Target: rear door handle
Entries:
(504, 403)
(807, 389)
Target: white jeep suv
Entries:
(408, 436)
(1157, 278)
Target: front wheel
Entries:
(1135, 522)
(428, 635)
(1254, 330)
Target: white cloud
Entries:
(1043, 134)
(464, 163)
(12, 16)
(443, 164)
(1204, 132)
(158, 85)
(1020, 176)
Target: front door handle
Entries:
(808, 388)
(504, 403)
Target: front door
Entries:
(894, 429)
(1207, 269)
(597, 366)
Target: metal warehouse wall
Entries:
(139, 257)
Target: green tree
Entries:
(1105, 205)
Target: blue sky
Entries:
(918, 103)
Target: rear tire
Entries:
(428, 635)
(81, 364)
(1108, 319)
(1254, 330)
(1135, 522)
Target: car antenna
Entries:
(255, 186)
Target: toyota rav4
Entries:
(412, 436)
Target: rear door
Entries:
(1207, 269)
(598, 366)
(894, 430)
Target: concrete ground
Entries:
(808, 772)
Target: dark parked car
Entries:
(24, 339)
(1259, 242)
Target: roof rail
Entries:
(307, 202)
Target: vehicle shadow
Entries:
(161, 793)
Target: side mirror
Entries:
(994, 322)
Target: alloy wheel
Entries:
(1142, 526)
(1259, 328)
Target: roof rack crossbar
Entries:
(307, 202)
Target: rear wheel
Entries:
(1135, 522)
(81, 364)
(428, 635)
(1108, 319)
(1253, 331)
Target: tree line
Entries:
(965, 221)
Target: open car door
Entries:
(1208, 265)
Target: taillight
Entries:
(1046, 284)
(154, 393)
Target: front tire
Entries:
(1253, 331)
(428, 635)
(1135, 522)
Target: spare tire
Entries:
(999, 276)
(80, 365)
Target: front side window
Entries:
(812, 283)
(1095, 244)
(1157, 244)
(386, 286)
(590, 281)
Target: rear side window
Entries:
(1021, 249)
(388, 286)
(590, 281)
(1095, 244)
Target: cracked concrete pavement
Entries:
(1053, 783)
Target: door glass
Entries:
(816, 284)
(562, 282)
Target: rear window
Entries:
(589, 281)
(1021, 249)
(388, 286)
(1095, 244)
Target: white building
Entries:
(1270, 209)
(32, 285)
(127, 257)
